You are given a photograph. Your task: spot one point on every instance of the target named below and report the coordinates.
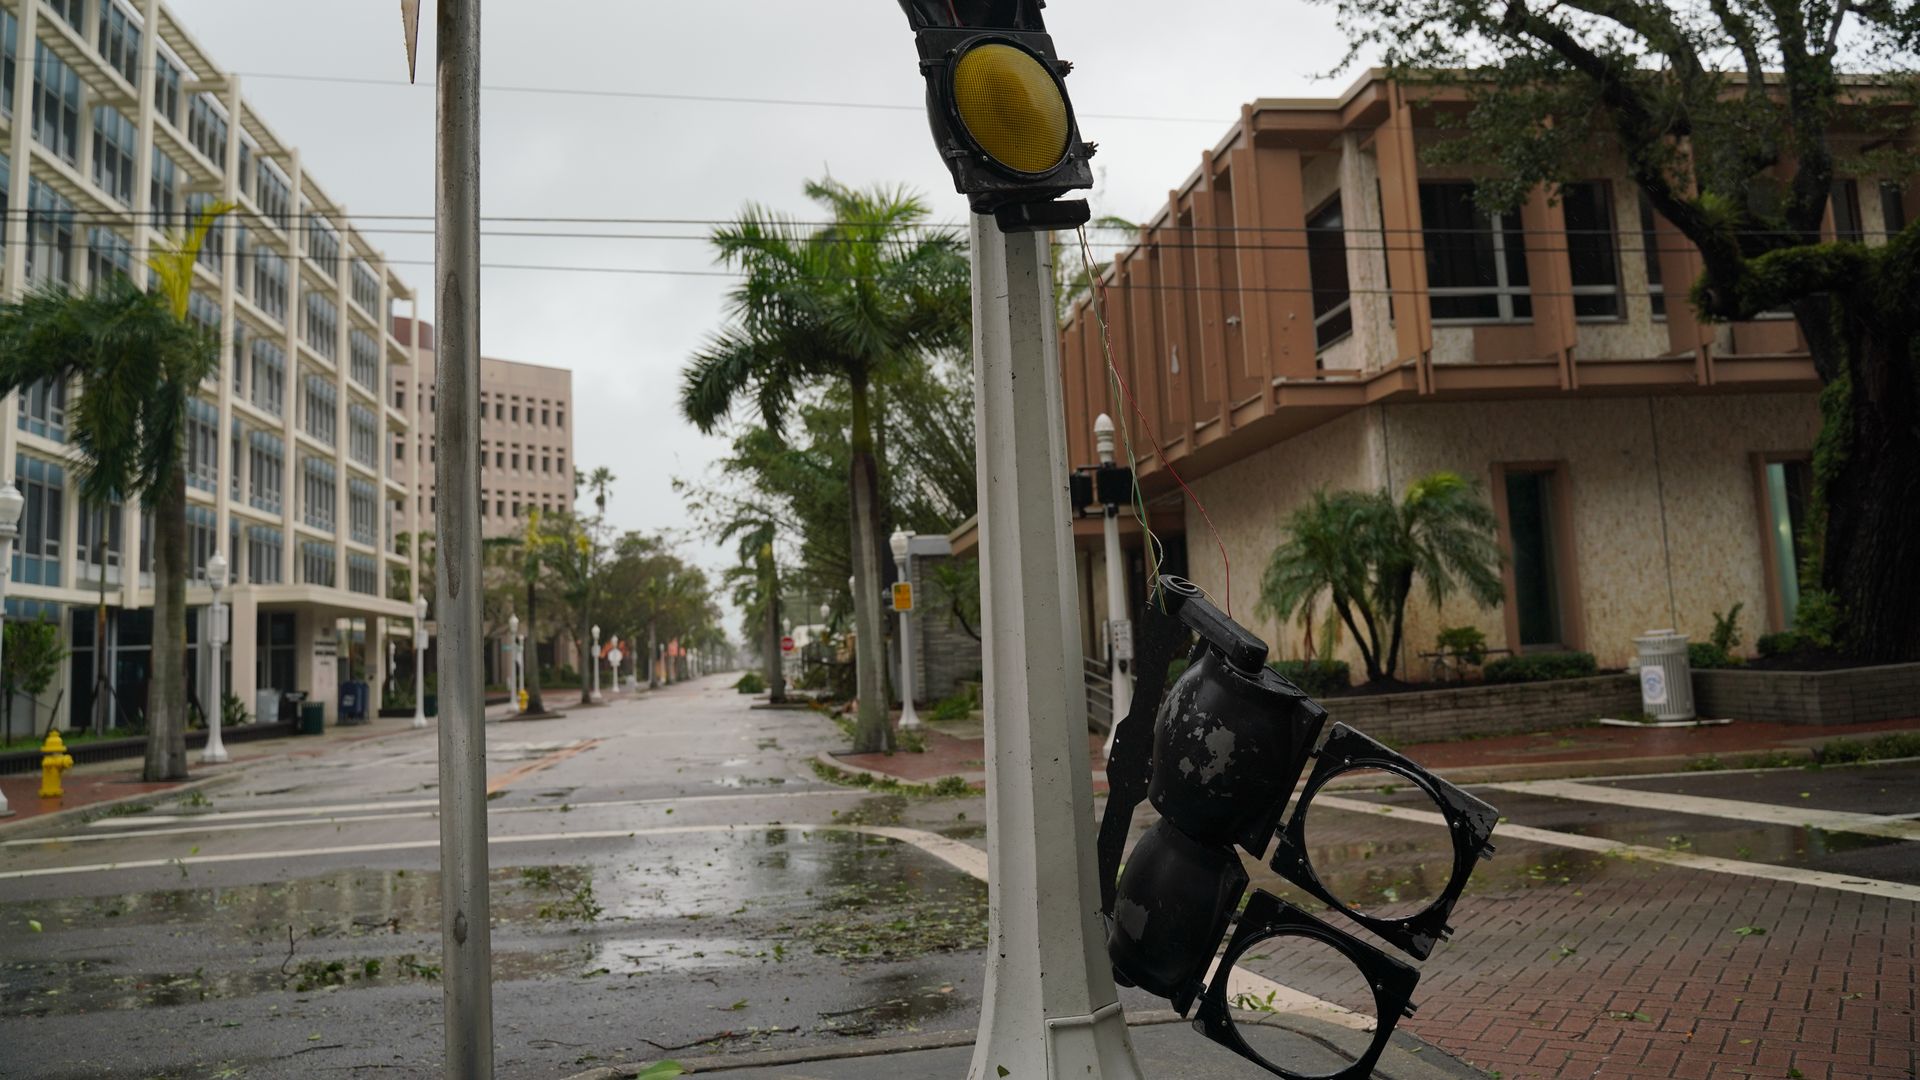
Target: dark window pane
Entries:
(1459, 244)
(1846, 211)
(1530, 531)
(1473, 307)
(1893, 207)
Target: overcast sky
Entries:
(627, 336)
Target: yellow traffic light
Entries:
(1012, 106)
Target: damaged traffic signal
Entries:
(998, 105)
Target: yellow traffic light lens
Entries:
(1012, 106)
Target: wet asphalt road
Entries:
(671, 880)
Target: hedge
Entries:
(1318, 678)
(1540, 667)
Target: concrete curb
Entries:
(972, 779)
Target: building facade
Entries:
(1318, 307)
(119, 128)
(526, 437)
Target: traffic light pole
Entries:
(465, 937)
(1050, 1008)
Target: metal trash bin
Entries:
(313, 718)
(290, 703)
(1666, 679)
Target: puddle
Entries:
(909, 1001)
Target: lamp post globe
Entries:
(12, 503)
(215, 752)
(419, 661)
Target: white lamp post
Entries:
(596, 662)
(902, 544)
(419, 661)
(1119, 625)
(11, 504)
(614, 657)
(513, 660)
(215, 752)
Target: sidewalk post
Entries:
(902, 544)
(1050, 1008)
(12, 503)
(1119, 625)
(513, 660)
(596, 662)
(465, 935)
(419, 661)
(215, 752)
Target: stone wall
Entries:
(945, 654)
(1474, 711)
(1849, 696)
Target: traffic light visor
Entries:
(1012, 106)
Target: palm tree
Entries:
(1362, 551)
(844, 302)
(600, 480)
(136, 361)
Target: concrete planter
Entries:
(1846, 696)
(1487, 709)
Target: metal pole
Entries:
(903, 562)
(465, 938)
(6, 567)
(1050, 1009)
(1118, 613)
(596, 664)
(419, 661)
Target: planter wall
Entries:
(18, 762)
(1481, 710)
(1846, 696)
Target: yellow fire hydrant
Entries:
(54, 760)
(523, 701)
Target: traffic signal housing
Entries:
(998, 105)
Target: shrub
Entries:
(1466, 643)
(1710, 654)
(1318, 678)
(1726, 629)
(1541, 667)
(1784, 643)
(751, 683)
(958, 707)
(1175, 669)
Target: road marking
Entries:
(1735, 809)
(319, 815)
(502, 782)
(1793, 874)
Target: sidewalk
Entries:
(1164, 1045)
(103, 785)
(1585, 750)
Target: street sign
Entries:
(903, 596)
(786, 644)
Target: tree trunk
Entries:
(167, 687)
(653, 655)
(776, 671)
(873, 731)
(535, 704)
(588, 658)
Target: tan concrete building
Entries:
(526, 437)
(118, 127)
(1317, 307)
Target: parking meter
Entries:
(1218, 754)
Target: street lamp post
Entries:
(513, 660)
(1119, 626)
(419, 661)
(215, 752)
(902, 544)
(596, 662)
(11, 504)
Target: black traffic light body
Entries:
(1020, 200)
(1219, 754)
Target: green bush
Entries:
(1466, 643)
(1175, 669)
(1318, 678)
(751, 683)
(1710, 654)
(1726, 629)
(1784, 643)
(1541, 667)
(958, 707)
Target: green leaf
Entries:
(33, 925)
(1000, 1070)
(1750, 931)
(663, 1070)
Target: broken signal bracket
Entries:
(1469, 822)
(1267, 918)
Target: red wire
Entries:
(1226, 565)
(954, 15)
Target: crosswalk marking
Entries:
(1896, 828)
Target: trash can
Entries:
(266, 705)
(1666, 681)
(290, 703)
(313, 718)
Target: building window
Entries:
(49, 235)
(1327, 271)
(1592, 259)
(73, 12)
(363, 511)
(215, 246)
(269, 370)
(363, 574)
(119, 41)
(9, 57)
(43, 409)
(363, 355)
(203, 445)
(1847, 225)
(1650, 254)
(1789, 492)
(56, 104)
(204, 310)
(316, 563)
(363, 436)
(162, 189)
(1893, 207)
(1476, 268)
(263, 555)
(273, 193)
(200, 540)
(399, 450)
(499, 409)
(98, 544)
(207, 129)
(559, 418)
(322, 323)
(400, 399)
(1533, 533)
(113, 142)
(109, 255)
(366, 287)
(266, 459)
(36, 551)
(323, 244)
(318, 401)
(546, 417)
(317, 493)
(270, 284)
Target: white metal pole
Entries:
(902, 544)
(1050, 1008)
(6, 568)
(419, 662)
(465, 932)
(596, 663)
(1118, 613)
